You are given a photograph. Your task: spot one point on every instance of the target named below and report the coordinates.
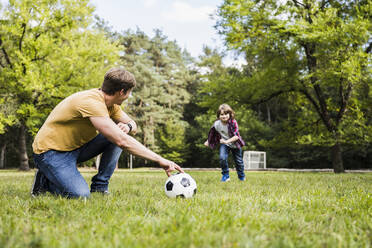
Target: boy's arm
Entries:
(213, 138)
(231, 140)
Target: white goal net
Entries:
(254, 160)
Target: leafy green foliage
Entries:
(163, 78)
(49, 51)
(7, 114)
(172, 139)
(318, 51)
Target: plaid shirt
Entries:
(232, 126)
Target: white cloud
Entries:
(183, 12)
(4, 2)
(149, 3)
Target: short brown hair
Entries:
(117, 79)
(226, 109)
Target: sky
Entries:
(188, 22)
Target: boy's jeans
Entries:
(237, 153)
(61, 170)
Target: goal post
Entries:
(254, 160)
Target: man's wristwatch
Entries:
(130, 127)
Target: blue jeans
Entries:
(60, 168)
(224, 155)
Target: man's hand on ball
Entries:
(169, 166)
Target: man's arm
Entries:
(112, 132)
(126, 124)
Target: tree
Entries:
(47, 51)
(171, 138)
(162, 73)
(317, 53)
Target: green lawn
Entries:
(270, 209)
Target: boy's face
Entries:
(224, 116)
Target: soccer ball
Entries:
(180, 185)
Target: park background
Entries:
(302, 93)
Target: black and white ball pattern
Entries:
(180, 185)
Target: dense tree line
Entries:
(48, 51)
(318, 55)
(303, 94)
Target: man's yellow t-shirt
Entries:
(68, 126)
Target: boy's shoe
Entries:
(225, 178)
(40, 184)
(242, 178)
(103, 192)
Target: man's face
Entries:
(121, 96)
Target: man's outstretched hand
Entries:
(169, 166)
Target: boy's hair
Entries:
(226, 109)
(117, 79)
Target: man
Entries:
(83, 126)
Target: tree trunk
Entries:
(268, 114)
(151, 132)
(23, 158)
(2, 156)
(337, 163)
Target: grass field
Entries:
(270, 209)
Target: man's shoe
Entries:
(225, 178)
(103, 192)
(39, 185)
(242, 178)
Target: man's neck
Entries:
(108, 99)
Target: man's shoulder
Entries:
(89, 103)
(90, 100)
(94, 93)
(86, 95)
